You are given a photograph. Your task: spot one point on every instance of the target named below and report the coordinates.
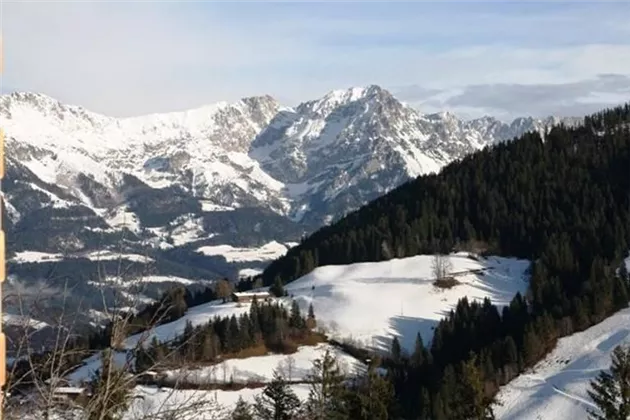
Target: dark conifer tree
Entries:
(277, 288)
(611, 390)
(242, 411)
(277, 401)
(396, 350)
(326, 399)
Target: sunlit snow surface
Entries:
(367, 302)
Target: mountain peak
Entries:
(355, 93)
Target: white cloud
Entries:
(134, 58)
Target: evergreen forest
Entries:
(561, 200)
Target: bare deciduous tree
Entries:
(287, 367)
(441, 266)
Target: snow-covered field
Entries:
(296, 367)
(367, 302)
(126, 282)
(35, 257)
(372, 302)
(102, 255)
(267, 252)
(556, 388)
(22, 321)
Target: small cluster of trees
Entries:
(265, 327)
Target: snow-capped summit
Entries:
(307, 164)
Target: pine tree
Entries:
(375, 396)
(277, 401)
(311, 322)
(326, 397)
(471, 389)
(242, 411)
(425, 405)
(277, 288)
(418, 355)
(396, 350)
(295, 320)
(610, 391)
(620, 292)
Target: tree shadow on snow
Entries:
(406, 328)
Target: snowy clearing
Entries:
(372, 302)
(267, 252)
(92, 364)
(210, 206)
(107, 255)
(123, 218)
(22, 321)
(35, 257)
(556, 388)
(128, 282)
(249, 272)
(101, 255)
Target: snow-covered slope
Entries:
(368, 303)
(557, 386)
(372, 302)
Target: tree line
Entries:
(265, 327)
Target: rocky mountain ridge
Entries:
(300, 167)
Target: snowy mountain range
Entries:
(218, 191)
(290, 169)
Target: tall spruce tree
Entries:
(610, 391)
(474, 404)
(311, 322)
(372, 397)
(396, 350)
(277, 288)
(242, 410)
(326, 398)
(277, 401)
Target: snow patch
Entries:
(267, 252)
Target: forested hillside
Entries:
(563, 202)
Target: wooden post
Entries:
(3, 347)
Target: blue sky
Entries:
(499, 58)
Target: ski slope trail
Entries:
(557, 387)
